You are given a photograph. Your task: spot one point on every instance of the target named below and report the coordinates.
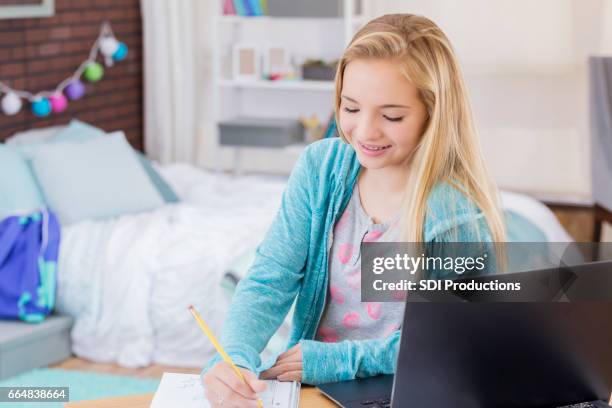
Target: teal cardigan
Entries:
(291, 264)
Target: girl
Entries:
(407, 166)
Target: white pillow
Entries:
(92, 179)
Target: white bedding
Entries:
(128, 282)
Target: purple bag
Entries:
(29, 247)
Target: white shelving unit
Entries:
(304, 38)
(298, 85)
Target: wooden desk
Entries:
(310, 397)
(601, 215)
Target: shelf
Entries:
(313, 29)
(296, 148)
(236, 19)
(298, 85)
(230, 19)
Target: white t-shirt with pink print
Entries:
(345, 317)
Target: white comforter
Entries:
(128, 282)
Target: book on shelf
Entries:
(255, 7)
(228, 8)
(245, 7)
(239, 6)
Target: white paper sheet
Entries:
(187, 391)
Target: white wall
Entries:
(525, 65)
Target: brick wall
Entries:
(37, 54)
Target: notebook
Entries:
(187, 391)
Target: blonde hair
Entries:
(449, 149)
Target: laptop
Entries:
(502, 354)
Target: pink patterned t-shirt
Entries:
(345, 317)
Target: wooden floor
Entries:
(153, 371)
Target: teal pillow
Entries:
(19, 192)
(160, 184)
(77, 131)
(31, 136)
(93, 179)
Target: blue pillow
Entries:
(18, 190)
(93, 179)
(160, 184)
(77, 131)
(32, 136)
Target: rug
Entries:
(82, 385)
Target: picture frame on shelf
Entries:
(276, 60)
(246, 62)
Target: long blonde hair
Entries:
(449, 149)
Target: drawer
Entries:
(260, 132)
(25, 346)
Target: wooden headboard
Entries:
(38, 53)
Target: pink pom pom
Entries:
(59, 103)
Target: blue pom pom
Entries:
(41, 107)
(121, 52)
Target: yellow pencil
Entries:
(220, 350)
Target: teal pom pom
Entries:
(121, 52)
(41, 107)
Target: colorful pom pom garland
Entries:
(93, 72)
(41, 107)
(59, 103)
(11, 103)
(70, 89)
(74, 90)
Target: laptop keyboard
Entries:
(378, 403)
(581, 405)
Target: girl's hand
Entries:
(224, 389)
(288, 366)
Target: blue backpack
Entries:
(29, 247)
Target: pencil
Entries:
(220, 350)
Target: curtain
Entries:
(171, 105)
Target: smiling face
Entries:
(381, 114)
